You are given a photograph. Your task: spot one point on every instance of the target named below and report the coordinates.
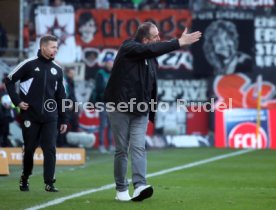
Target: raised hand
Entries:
(187, 39)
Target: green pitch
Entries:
(205, 179)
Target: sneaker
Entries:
(142, 192)
(50, 188)
(102, 150)
(123, 196)
(24, 183)
(111, 149)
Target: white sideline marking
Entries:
(109, 186)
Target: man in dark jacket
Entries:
(40, 102)
(133, 79)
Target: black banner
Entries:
(265, 42)
(226, 46)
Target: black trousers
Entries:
(44, 135)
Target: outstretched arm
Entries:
(134, 49)
(189, 38)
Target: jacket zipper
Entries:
(43, 94)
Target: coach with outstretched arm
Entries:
(133, 79)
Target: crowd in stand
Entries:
(8, 114)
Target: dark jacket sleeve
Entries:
(18, 73)
(145, 51)
(60, 95)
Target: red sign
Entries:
(110, 28)
(244, 135)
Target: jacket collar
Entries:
(41, 57)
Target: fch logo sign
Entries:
(244, 135)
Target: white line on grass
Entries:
(109, 186)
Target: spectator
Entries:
(102, 78)
(57, 3)
(3, 90)
(90, 60)
(70, 92)
(81, 4)
(122, 4)
(102, 4)
(72, 114)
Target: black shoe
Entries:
(50, 188)
(24, 183)
(141, 193)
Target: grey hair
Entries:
(143, 31)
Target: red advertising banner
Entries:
(237, 128)
(103, 28)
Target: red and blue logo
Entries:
(244, 135)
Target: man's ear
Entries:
(42, 47)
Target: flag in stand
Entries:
(58, 21)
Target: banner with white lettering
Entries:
(64, 156)
(244, 3)
(190, 90)
(181, 103)
(265, 42)
(176, 64)
(58, 21)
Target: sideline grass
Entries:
(241, 182)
